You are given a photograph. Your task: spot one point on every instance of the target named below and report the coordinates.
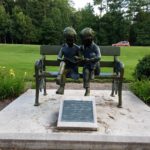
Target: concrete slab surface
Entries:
(24, 126)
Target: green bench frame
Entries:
(41, 75)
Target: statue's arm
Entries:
(79, 55)
(97, 56)
(60, 55)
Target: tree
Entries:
(48, 31)
(140, 31)
(41, 12)
(103, 6)
(8, 5)
(22, 28)
(4, 24)
(113, 27)
(42, 21)
(84, 18)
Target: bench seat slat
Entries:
(56, 63)
(101, 75)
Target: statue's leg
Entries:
(92, 74)
(97, 69)
(86, 81)
(60, 72)
(62, 83)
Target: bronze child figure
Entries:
(68, 61)
(91, 56)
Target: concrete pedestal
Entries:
(24, 126)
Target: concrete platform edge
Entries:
(72, 141)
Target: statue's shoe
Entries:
(60, 90)
(87, 92)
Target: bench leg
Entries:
(113, 88)
(45, 93)
(37, 91)
(120, 94)
(116, 86)
(44, 85)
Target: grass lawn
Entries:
(130, 56)
(22, 58)
(19, 57)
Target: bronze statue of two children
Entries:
(71, 55)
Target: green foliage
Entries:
(140, 31)
(22, 30)
(88, 17)
(142, 90)
(10, 85)
(132, 24)
(113, 28)
(4, 24)
(142, 69)
(48, 32)
(42, 21)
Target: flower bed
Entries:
(11, 85)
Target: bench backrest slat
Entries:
(54, 49)
(51, 63)
(57, 63)
(110, 51)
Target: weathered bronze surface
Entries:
(71, 56)
(91, 54)
(67, 56)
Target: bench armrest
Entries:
(39, 64)
(38, 67)
(119, 68)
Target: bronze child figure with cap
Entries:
(68, 57)
(91, 56)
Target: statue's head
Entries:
(87, 36)
(70, 35)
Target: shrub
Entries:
(10, 85)
(142, 69)
(142, 90)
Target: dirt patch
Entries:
(94, 86)
(4, 103)
(75, 86)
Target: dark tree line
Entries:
(42, 21)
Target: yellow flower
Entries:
(12, 74)
(25, 73)
(11, 70)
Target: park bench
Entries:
(42, 75)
